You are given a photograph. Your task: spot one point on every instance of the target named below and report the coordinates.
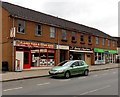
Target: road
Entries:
(97, 83)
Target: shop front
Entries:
(80, 53)
(30, 54)
(104, 56)
(63, 52)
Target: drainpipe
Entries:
(13, 63)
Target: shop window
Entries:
(102, 56)
(35, 58)
(95, 56)
(99, 56)
(21, 26)
(51, 57)
(64, 35)
(97, 40)
(52, 32)
(38, 30)
(43, 56)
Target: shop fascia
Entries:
(81, 49)
(99, 50)
(31, 44)
(62, 47)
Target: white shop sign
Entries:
(63, 47)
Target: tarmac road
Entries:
(103, 82)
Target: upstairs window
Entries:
(103, 41)
(89, 39)
(113, 43)
(64, 35)
(82, 38)
(38, 31)
(97, 40)
(108, 42)
(21, 26)
(73, 36)
(52, 32)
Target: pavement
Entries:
(28, 74)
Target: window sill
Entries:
(82, 42)
(64, 40)
(38, 35)
(20, 33)
(52, 37)
(74, 41)
(89, 43)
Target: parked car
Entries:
(70, 67)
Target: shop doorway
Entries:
(88, 59)
(26, 60)
(63, 55)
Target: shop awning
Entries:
(81, 51)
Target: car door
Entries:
(81, 67)
(74, 68)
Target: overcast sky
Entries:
(100, 14)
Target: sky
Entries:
(99, 14)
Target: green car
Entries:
(68, 68)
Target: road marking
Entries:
(65, 80)
(12, 89)
(43, 84)
(95, 90)
(81, 77)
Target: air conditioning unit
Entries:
(12, 32)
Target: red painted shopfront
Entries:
(34, 54)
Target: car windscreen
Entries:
(65, 63)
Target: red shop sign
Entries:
(33, 44)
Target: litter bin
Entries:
(4, 66)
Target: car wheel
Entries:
(67, 74)
(86, 72)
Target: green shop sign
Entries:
(105, 51)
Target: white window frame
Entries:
(52, 32)
(64, 34)
(103, 41)
(108, 42)
(73, 35)
(22, 22)
(36, 30)
(97, 40)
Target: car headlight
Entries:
(60, 71)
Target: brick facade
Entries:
(10, 21)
